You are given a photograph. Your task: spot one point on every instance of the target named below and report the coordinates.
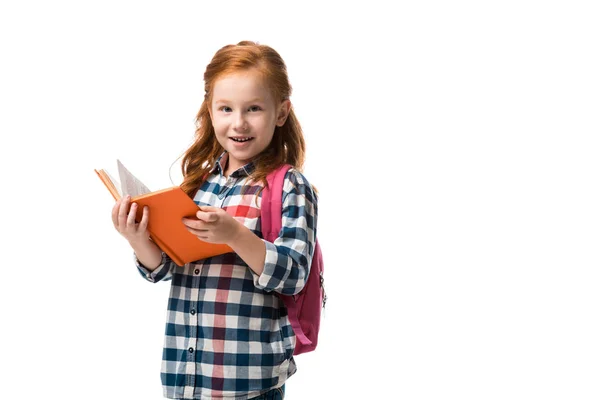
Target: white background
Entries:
(455, 148)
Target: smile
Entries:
(240, 140)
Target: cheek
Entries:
(262, 123)
(219, 126)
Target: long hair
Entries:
(287, 145)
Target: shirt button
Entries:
(191, 349)
(196, 271)
(192, 311)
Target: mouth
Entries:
(241, 139)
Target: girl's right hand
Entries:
(123, 217)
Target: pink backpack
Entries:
(304, 308)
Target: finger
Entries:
(195, 224)
(144, 221)
(115, 213)
(209, 208)
(210, 216)
(123, 210)
(201, 234)
(131, 216)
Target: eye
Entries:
(254, 108)
(225, 109)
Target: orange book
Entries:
(167, 207)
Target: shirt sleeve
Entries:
(288, 259)
(163, 272)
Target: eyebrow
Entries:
(255, 100)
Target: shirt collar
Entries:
(221, 163)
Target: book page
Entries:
(130, 185)
(115, 183)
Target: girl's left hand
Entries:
(214, 225)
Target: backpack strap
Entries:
(271, 203)
(270, 214)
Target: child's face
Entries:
(244, 116)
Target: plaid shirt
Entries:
(227, 332)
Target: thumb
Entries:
(209, 208)
(207, 214)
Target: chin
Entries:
(243, 157)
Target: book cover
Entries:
(167, 207)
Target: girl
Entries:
(227, 332)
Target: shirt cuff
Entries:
(267, 280)
(157, 274)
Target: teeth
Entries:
(241, 140)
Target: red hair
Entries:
(287, 145)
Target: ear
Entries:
(284, 111)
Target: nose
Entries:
(240, 124)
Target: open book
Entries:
(167, 207)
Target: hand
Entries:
(123, 217)
(214, 225)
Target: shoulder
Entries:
(295, 182)
(296, 177)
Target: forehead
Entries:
(240, 86)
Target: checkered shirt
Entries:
(227, 333)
